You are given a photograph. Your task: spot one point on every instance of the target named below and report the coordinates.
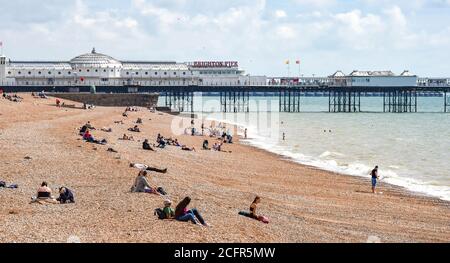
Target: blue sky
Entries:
(326, 35)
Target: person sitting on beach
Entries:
(106, 129)
(253, 213)
(141, 184)
(127, 138)
(58, 103)
(89, 138)
(205, 145)
(44, 193)
(134, 129)
(144, 167)
(176, 143)
(186, 148)
(83, 129)
(65, 196)
(168, 210)
(183, 214)
(161, 142)
(146, 145)
(216, 147)
(89, 126)
(139, 121)
(124, 114)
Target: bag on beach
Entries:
(2, 184)
(161, 191)
(160, 213)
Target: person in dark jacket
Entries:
(65, 196)
(146, 145)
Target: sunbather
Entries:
(144, 167)
(183, 214)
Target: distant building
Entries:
(102, 70)
(374, 79)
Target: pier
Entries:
(341, 98)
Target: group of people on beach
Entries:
(85, 132)
(44, 195)
(13, 98)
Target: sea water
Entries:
(411, 149)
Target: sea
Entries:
(412, 150)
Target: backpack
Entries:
(161, 191)
(160, 213)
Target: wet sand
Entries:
(304, 204)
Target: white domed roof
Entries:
(94, 60)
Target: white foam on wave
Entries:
(355, 169)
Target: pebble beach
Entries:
(40, 142)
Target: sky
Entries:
(325, 35)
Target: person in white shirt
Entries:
(144, 167)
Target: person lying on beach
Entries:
(134, 129)
(186, 148)
(118, 122)
(144, 167)
(89, 138)
(11, 186)
(141, 185)
(146, 146)
(65, 196)
(126, 138)
(205, 145)
(44, 194)
(106, 129)
(253, 214)
(124, 114)
(184, 215)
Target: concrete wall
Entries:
(111, 99)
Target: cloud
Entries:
(258, 33)
(280, 14)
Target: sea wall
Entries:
(111, 99)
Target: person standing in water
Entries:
(374, 174)
(284, 136)
(245, 133)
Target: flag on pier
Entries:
(297, 62)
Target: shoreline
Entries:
(314, 205)
(294, 160)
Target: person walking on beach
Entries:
(374, 174)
